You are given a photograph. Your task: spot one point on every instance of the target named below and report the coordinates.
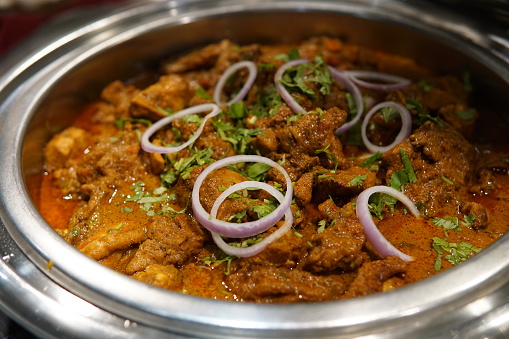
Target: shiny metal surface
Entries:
(44, 90)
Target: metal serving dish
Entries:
(56, 291)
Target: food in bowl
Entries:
(279, 173)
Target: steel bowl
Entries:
(56, 291)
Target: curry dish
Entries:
(349, 133)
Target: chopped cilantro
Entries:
(446, 180)
(378, 201)
(466, 115)
(193, 118)
(467, 82)
(297, 234)
(457, 253)
(266, 209)
(293, 118)
(469, 219)
(184, 166)
(389, 113)
(256, 171)
(352, 106)
(358, 180)
(237, 135)
(372, 159)
(169, 178)
(163, 111)
(404, 176)
(202, 93)
(118, 227)
(266, 66)
(237, 110)
(296, 77)
(267, 102)
(422, 115)
(239, 216)
(449, 223)
(322, 224)
(426, 87)
(212, 260)
(292, 55)
(329, 154)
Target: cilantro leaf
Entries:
(358, 180)
(202, 93)
(264, 210)
(378, 201)
(449, 223)
(404, 176)
(296, 77)
(422, 115)
(469, 219)
(389, 113)
(267, 103)
(256, 171)
(237, 110)
(237, 135)
(372, 159)
(292, 55)
(467, 114)
(426, 87)
(457, 252)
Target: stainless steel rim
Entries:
(433, 302)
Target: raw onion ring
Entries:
(258, 247)
(392, 82)
(251, 67)
(381, 244)
(406, 126)
(247, 229)
(148, 146)
(287, 97)
(357, 97)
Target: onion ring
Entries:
(406, 126)
(357, 97)
(148, 146)
(258, 247)
(239, 230)
(251, 67)
(381, 244)
(392, 81)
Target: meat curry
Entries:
(109, 194)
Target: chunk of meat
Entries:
(273, 284)
(101, 246)
(373, 274)
(171, 92)
(169, 241)
(442, 160)
(63, 145)
(203, 58)
(342, 183)
(214, 185)
(168, 277)
(338, 247)
(286, 252)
